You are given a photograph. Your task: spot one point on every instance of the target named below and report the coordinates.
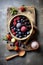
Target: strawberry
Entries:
(22, 9)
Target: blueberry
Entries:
(25, 35)
(19, 33)
(18, 30)
(28, 33)
(24, 17)
(19, 44)
(14, 28)
(18, 25)
(18, 21)
(21, 20)
(20, 36)
(11, 44)
(23, 46)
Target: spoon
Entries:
(21, 53)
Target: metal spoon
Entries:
(21, 53)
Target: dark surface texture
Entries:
(31, 58)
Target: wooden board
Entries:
(30, 11)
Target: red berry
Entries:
(22, 8)
(16, 48)
(14, 33)
(23, 29)
(18, 18)
(16, 43)
(15, 22)
(8, 36)
(12, 30)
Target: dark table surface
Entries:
(31, 58)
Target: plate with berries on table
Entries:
(20, 28)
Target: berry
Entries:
(16, 48)
(8, 36)
(14, 23)
(23, 46)
(28, 33)
(18, 25)
(11, 44)
(20, 36)
(18, 21)
(23, 29)
(19, 33)
(18, 18)
(21, 20)
(12, 30)
(14, 33)
(18, 30)
(16, 43)
(22, 9)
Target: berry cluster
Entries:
(20, 26)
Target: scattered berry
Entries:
(8, 36)
(22, 9)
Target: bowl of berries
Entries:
(20, 27)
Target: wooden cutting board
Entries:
(30, 12)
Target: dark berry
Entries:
(16, 43)
(20, 36)
(18, 30)
(18, 25)
(11, 44)
(22, 45)
(18, 21)
(28, 33)
(19, 33)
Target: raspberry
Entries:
(14, 33)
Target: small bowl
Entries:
(31, 31)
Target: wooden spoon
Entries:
(21, 53)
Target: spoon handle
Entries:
(10, 57)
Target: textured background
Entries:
(31, 58)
